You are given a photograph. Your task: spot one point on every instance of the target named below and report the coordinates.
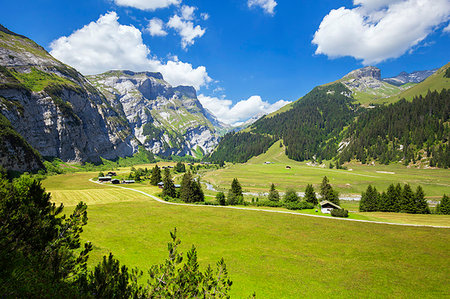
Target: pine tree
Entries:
(273, 194)
(444, 206)
(310, 195)
(186, 194)
(291, 196)
(180, 167)
(156, 175)
(420, 202)
(407, 200)
(324, 187)
(198, 195)
(169, 187)
(369, 200)
(327, 192)
(220, 197)
(235, 195)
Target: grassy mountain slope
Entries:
(437, 81)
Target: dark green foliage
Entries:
(370, 200)
(178, 279)
(268, 203)
(235, 195)
(291, 196)
(101, 174)
(220, 197)
(444, 206)
(169, 186)
(239, 147)
(191, 190)
(156, 175)
(310, 195)
(273, 194)
(339, 213)
(401, 130)
(180, 167)
(298, 205)
(312, 127)
(327, 192)
(447, 73)
(395, 199)
(40, 252)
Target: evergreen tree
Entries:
(444, 206)
(369, 200)
(420, 202)
(310, 195)
(327, 192)
(273, 194)
(291, 196)
(407, 202)
(190, 190)
(169, 187)
(180, 167)
(235, 195)
(220, 197)
(156, 175)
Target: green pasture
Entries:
(275, 255)
(255, 176)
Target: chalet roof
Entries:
(326, 202)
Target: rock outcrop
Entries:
(166, 120)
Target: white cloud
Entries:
(106, 44)
(186, 30)
(204, 16)
(447, 29)
(376, 30)
(267, 5)
(187, 12)
(147, 4)
(224, 110)
(156, 27)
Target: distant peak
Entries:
(368, 71)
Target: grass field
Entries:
(255, 176)
(275, 255)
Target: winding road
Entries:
(261, 210)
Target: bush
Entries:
(339, 213)
(302, 205)
(268, 203)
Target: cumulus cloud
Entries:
(106, 44)
(156, 27)
(447, 29)
(185, 27)
(376, 30)
(147, 4)
(267, 5)
(224, 110)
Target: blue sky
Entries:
(244, 57)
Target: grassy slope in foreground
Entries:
(255, 176)
(276, 255)
(437, 81)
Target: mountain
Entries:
(50, 110)
(367, 87)
(331, 122)
(166, 120)
(414, 77)
(54, 108)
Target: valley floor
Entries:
(276, 255)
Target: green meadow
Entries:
(274, 255)
(255, 176)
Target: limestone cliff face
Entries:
(166, 120)
(57, 111)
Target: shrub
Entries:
(268, 203)
(302, 205)
(339, 213)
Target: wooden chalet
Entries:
(326, 206)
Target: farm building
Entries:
(111, 173)
(161, 185)
(104, 179)
(288, 167)
(115, 181)
(128, 182)
(326, 206)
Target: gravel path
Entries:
(262, 210)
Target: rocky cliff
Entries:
(166, 120)
(56, 110)
(414, 77)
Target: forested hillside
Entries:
(405, 130)
(311, 128)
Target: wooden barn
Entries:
(104, 179)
